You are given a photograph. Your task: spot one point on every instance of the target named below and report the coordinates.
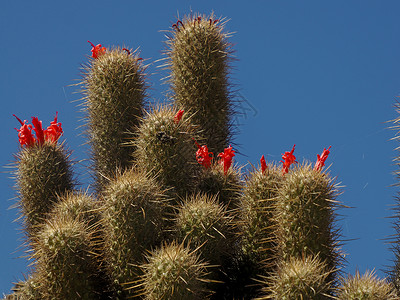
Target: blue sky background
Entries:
(313, 73)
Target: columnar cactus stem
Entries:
(198, 58)
(299, 278)
(174, 272)
(305, 216)
(66, 260)
(202, 222)
(256, 214)
(114, 91)
(226, 187)
(367, 286)
(43, 172)
(133, 219)
(165, 148)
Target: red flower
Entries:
(263, 164)
(321, 159)
(178, 116)
(51, 134)
(25, 135)
(203, 157)
(288, 159)
(97, 50)
(226, 158)
(37, 126)
(54, 131)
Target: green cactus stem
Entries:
(165, 148)
(198, 58)
(305, 216)
(43, 171)
(366, 287)
(174, 272)
(66, 261)
(256, 214)
(298, 279)
(114, 90)
(133, 220)
(201, 222)
(226, 187)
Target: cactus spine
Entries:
(198, 59)
(114, 91)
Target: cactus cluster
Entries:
(172, 217)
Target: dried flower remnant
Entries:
(97, 50)
(288, 159)
(321, 159)
(263, 164)
(178, 116)
(226, 158)
(203, 157)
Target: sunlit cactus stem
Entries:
(165, 149)
(114, 90)
(133, 221)
(198, 59)
(43, 171)
(174, 272)
(67, 265)
(305, 217)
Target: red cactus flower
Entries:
(263, 164)
(37, 126)
(178, 116)
(25, 136)
(203, 157)
(321, 159)
(288, 159)
(54, 131)
(97, 50)
(226, 158)
(51, 134)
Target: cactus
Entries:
(174, 272)
(115, 91)
(227, 187)
(198, 58)
(133, 217)
(203, 223)
(305, 215)
(43, 171)
(168, 219)
(299, 278)
(165, 148)
(365, 287)
(64, 249)
(27, 289)
(256, 212)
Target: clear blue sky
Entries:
(313, 73)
